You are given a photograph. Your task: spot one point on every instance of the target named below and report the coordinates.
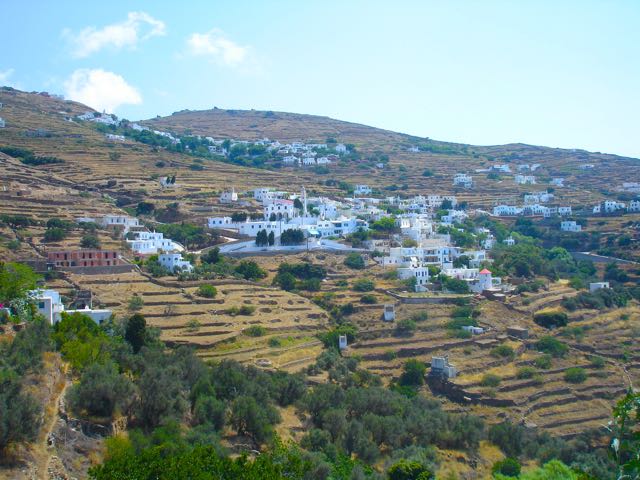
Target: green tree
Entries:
(250, 270)
(413, 372)
(271, 239)
(354, 261)
(101, 392)
(136, 332)
(509, 467)
(20, 414)
(16, 279)
(90, 241)
(55, 234)
(409, 470)
(207, 291)
(211, 256)
(248, 417)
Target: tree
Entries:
(90, 241)
(55, 234)
(252, 419)
(145, 208)
(292, 237)
(136, 332)
(298, 204)
(211, 256)
(413, 373)
(354, 261)
(16, 279)
(102, 391)
(271, 238)
(262, 238)
(207, 291)
(408, 470)
(250, 270)
(286, 281)
(20, 414)
(509, 467)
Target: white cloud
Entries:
(137, 27)
(100, 89)
(217, 46)
(5, 78)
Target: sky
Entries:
(554, 73)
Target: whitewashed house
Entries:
(509, 241)
(341, 148)
(463, 180)
(570, 226)
(219, 222)
(290, 159)
(608, 206)
(525, 179)
(2, 123)
(362, 190)
(229, 196)
(558, 182)
(597, 286)
(48, 303)
(174, 262)
(282, 209)
(564, 211)
(323, 161)
(506, 210)
(150, 243)
(634, 206)
(115, 138)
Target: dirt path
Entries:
(51, 467)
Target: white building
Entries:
(281, 209)
(389, 312)
(525, 179)
(220, 222)
(570, 226)
(48, 304)
(290, 159)
(634, 206)
(97, 315)
(362, 190)
(509, 241)
(229, 196)
(420, 273)
(115, 138)
(150, 243)
(463, 180)
(341, 148)
(174, 262)
(597, 286)
(2, 123)
(558, 182)
(506, 210)
(504, 168)
(537, 197)
(564, 211)
(608, 206)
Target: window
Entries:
(41, 305)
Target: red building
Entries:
(84, 258)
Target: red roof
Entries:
(485, 271)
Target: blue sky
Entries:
(555, 73)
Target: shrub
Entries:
(413, 373)
(551, 318)
(525, 373)
(575, 375)
(552, 346)
(207, 291)
(250, 270)
(55, 234)
(405, 327)
(419, 316)
(275, 342)
(409, 470)
(543, 361)
(504, 351)
(369, 299)
(136, 302)
(509, 467)
(255, 331)
(597, 362)
(364, 285)
(354, 261)
(490, 380)
(90, 241)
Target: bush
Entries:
(504, 351)
(354, 261)
(255, 331)
(490, 380)
(543, 361)
(551, 318)
(136, 302)
(207, 291)
(275, 342)
(250, 270)
(55, 234)
(525, 373)
(552, 346)
(369, 299)
(363, 285)
(419, 316)
(409, 470)
(575, 375)
(405, 327)
(412, 373)
(509, 467)
(597, 362)
(90, 241)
